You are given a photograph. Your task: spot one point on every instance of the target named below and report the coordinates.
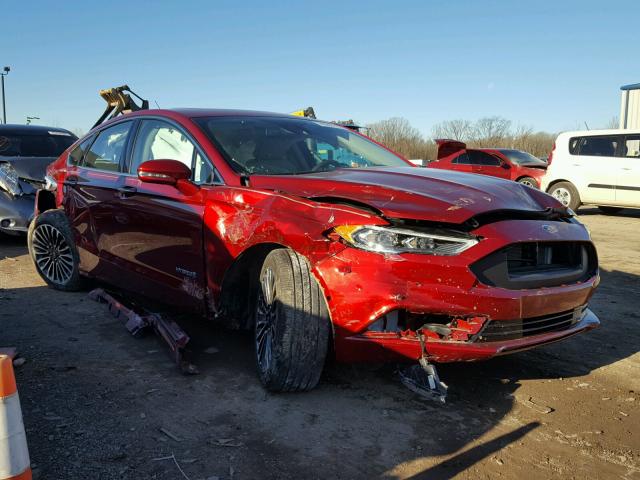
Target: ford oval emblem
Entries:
(550, 228)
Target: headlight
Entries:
(50, 183)
(397, 240)
(9, 179)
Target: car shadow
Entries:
(625, 212)
(12, 246)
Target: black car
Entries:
(25, 152)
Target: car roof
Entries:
(223, 112)
(26, 130)
(13, 129)
(609, 131)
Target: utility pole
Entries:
(3, 74)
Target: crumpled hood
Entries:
(30, 168)
(413, 193)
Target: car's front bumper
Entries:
(361, 287)
(16, 212)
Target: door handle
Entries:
(126, 191)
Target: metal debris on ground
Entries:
(137, 325)
(170, 435)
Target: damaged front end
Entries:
(17, 199)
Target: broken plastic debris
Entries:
(423, 379)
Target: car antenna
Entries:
(585, 124)
(119, 101)
(156, 102)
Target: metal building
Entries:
(630, 106)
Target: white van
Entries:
(598, 167)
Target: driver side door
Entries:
(157, 230)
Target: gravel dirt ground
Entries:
(95, 399)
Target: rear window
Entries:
(51, 145)
(595, 146)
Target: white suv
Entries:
(599, 167)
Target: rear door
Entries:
(592, 166)
(95, 172)
(486, 164)
(462, 163)
(157, 231)
(628, 181)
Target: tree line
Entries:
(399, 135)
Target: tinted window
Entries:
(75, 157)
(602, 146)
(289, 146)
(482, 158)
(519, 157)
(574, 143)
(462, 159)
(158, 140)
(631, 146)
(35, 145)
(108, 150)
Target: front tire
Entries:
(566, 194)
(292, 324)
(53, 251)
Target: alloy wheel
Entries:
(265, 320)
(52, 254)
(528, 183)
(562, 195)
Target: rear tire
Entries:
(292, 324)
(54, 252)
(529, 182)
(566, 194)
(609, 210)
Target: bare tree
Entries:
(453, 129)
(489, 130)
(399, 135)
(614, 122)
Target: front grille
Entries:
(531, 265)
(498, 330)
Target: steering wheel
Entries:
(327, 163)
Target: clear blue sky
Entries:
(549, 64)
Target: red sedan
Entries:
(516, 165)
(314, 236)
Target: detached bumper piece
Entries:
(423, 379)
(138, 325)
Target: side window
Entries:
(574, 143)
(462, 159)
(604, 146)
(75, 157)
(108, 150)
(484, 159)
(631, 146)
(158, 140)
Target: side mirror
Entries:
(167, 172)
(505, 165)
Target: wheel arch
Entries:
(559, 180)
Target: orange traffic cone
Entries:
(14, 455)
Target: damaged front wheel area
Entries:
(291, 324)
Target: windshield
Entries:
(290, 146)
(522, 158)
(35, 145)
